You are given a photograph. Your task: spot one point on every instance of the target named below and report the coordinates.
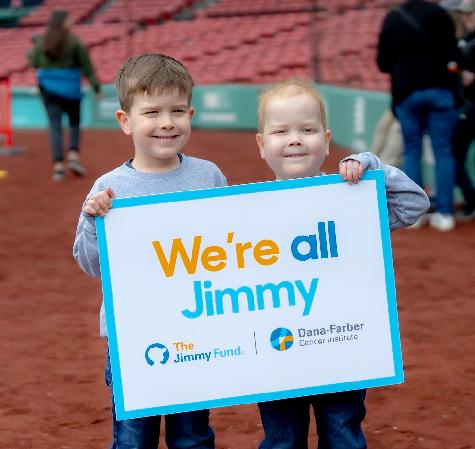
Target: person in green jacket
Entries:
(60, 59)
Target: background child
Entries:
(155, 93)
(294, 140)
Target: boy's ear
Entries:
(328, 137)
(124, 121)
(260, 143)
(191, 112)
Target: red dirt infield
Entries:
(52, 393)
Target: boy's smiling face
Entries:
(293, 141)
(160, 126)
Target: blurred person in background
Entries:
(418, 48)
(60, 58)
(464, 132)
(387, 140)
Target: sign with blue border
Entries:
(249, 293)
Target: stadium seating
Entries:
(18, 41)
(230, 41)
(148, 11)
(79, 10)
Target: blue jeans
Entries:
(432, 111)
(55, 107)
(338, 417)
(464, 134)
(189, 430)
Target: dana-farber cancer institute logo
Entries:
(281, 339)
(157, 352)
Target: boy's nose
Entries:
(295, 139)
(166, 122)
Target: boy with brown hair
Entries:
(155, 93)
(294, 140)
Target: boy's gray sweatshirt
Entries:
(406, 200)
(125, 181)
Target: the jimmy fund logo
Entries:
(157, 352)
(281, 339)
(187, 352)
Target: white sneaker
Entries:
(442, 222)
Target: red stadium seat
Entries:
(230, 41)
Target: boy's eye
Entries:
(279, 131)
(150, 112)
(179, 111)
(308, 130)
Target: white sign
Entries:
(249, 293)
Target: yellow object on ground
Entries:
(3, 174)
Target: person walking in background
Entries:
(387, 140)
(60, 58)
(464, 132)
(418, 48)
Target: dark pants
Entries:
(188, 430)
(338, 417)
(55, 107)
(434, 111)
(464, 133)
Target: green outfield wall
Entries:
(352, 114)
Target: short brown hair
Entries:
(150, 73)
(288, 89)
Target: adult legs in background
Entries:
(387, 140)
(391, 153)
(339, 417)
(441, 120)
(464, 134)
(285, 423)
(72, 109)
(432, 110)
(411, 116)
(54, 113)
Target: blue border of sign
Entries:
(376, 175)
